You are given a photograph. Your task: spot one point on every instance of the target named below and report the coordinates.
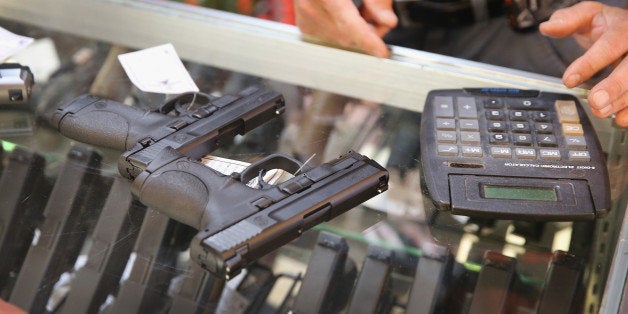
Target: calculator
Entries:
(512, 154)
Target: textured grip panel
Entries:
(100, 128)
(98, 121)
(180, 195)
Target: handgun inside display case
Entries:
(85, 234)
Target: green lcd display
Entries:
(519, 193)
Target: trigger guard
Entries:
(176, 102)
(274, 161)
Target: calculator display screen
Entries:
(519, 193)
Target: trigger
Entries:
(260, 180)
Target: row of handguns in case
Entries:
(46, 224)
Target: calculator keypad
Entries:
(526, 129)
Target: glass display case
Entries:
(75, 239)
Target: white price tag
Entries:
(157, 70)
(41, 57)
(11, 43)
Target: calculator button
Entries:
(549, 154)
(445, 124)
(496, 126)
(469, 125)
(566, 111)
(522, 139)
(543, 127)
(472, 151)
(499, 138)
(543, 116)
(575, 142)
(444, 106)
(466, 107)
(447, 150)
(495, 114)
(518, 115)
(470, 137)
(546, 140)
(525, 153)
(579, 155)
(493, 103)
(572, 129)
(520, 127)
(523, 104)
(501, 152)
(446, 136)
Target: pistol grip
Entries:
(104, 122)
(190, 192)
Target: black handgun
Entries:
(194, 124)
(237, 223)
(329, 278)
(112, 242)
(373, 291)
(159, 243)
(24, 190)
(74, 200)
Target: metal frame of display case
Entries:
(269, 49)
(616, 292)
(280, 52)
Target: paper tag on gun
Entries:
(157, 70)
(11, 43)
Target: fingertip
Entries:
(606, 110)
(387, 18)
(548, 27)
(373, 45)
(381, 52)
(572, 80)
(599, 99)
(371, 49)
(621, 118)
(597, 113)
(543, 27)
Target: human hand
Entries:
(341, 22)
(603, 31)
